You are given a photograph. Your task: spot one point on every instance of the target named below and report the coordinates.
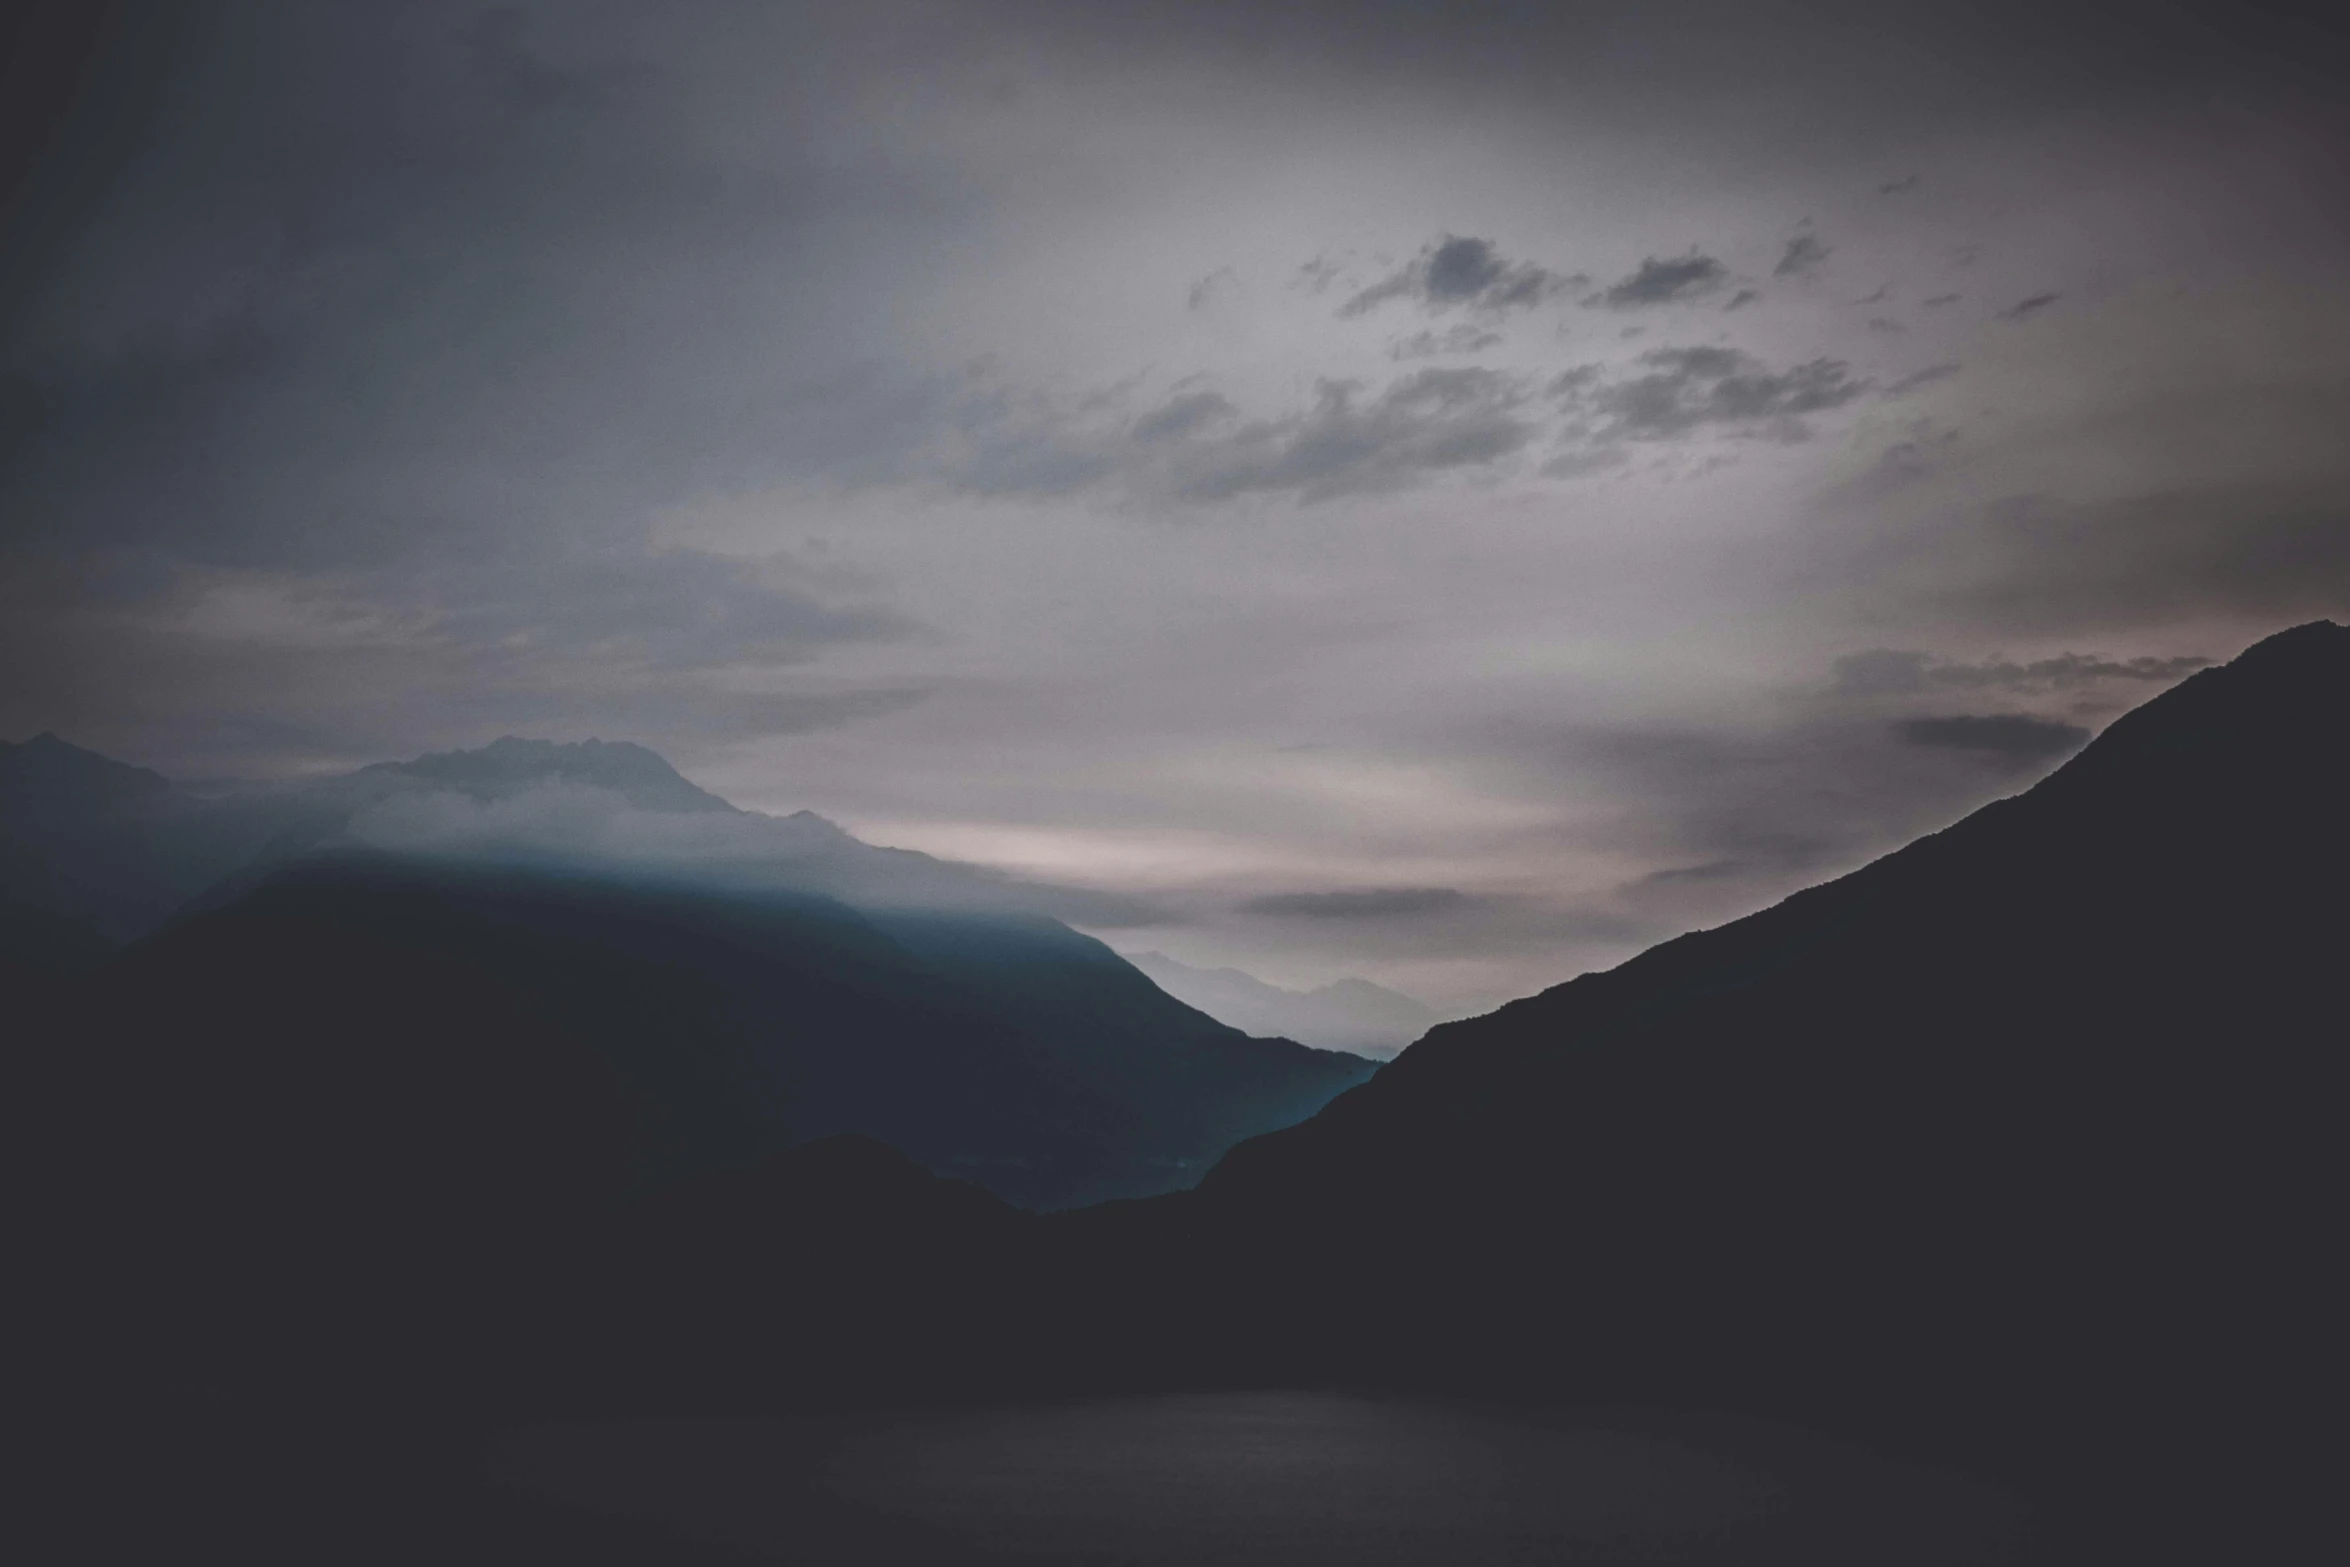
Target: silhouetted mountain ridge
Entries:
(45, 779)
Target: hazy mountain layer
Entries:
(94, 852)
(1348, 1014)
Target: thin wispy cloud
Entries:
(1801, 257)
(1663, 282)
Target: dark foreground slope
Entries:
(2045, 1106)
(2024, 1143)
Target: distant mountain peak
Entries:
(2254, 711)
(511, 764)
(1349, 1014)
(49, 777)
(2329, 635)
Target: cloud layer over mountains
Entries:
(1209, 454)
(591, 825)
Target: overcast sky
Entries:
(1443, 492)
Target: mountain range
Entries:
(734, 1002)
(102, 849)
(2019, 1147)
(1348, 1014)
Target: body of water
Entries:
(1260, 1477)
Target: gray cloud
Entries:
(1430, 421)
(1461, 339)
(1913, 459)
(1743, 298)
(2008, 738)
(1803, 253)
(1204, 292)
(1881, 671)
(2270, 552)
(1184, 415)
(1678, 392)
(681, 647)
(1661, 282)
(1711, 870)
(2028, 307)
(1361, 904)
(1198, 447)
(1917, 378)
(1456, 271)
(1316, 276)
(2068, 669)
(665, 611)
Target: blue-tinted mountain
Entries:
(1010, 1051)
(113, 852)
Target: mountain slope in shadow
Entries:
(1013, 1052)
(2027, 1132)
